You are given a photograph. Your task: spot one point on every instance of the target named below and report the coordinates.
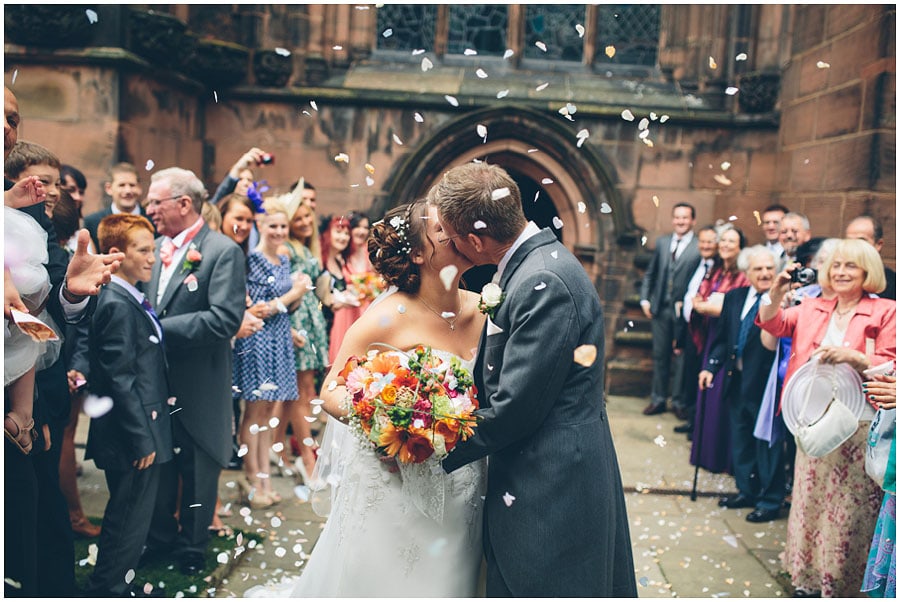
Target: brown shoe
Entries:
(655, 408)
(82, 527)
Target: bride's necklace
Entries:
(451, 322)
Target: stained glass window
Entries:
(632, 29)
(553, 25)
(479, 27)
(406, 27)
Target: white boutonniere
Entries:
(491, 297)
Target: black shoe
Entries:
(736, 501)
(802, 593)
(683, 428)
(655, 408)
(763, 516)
(681, 414)
(152, 555)
(192, 564)
(235, 463)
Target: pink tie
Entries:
(166, 251)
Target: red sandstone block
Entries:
(839, 112)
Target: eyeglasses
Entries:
(446, 241)
(158, 202)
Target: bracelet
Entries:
(69, 295)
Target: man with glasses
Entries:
(125, 191)
(197, 289)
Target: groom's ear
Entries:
(476, 242)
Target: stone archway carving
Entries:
(535, 145)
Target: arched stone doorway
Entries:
(572, 185)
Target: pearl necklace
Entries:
(450, 322)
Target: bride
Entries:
(415, 531)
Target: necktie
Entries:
(165, 253)
(746, 323)
(149, 309)
(675, 249)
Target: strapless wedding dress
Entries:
(412, 533)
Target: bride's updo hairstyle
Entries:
(394, 240)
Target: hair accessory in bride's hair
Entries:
(401, 226)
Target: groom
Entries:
(555, 523)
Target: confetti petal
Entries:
(387, 32)
(470, 52)
(555, 254)
(585, 355)
(644, 124)
(397, 140)
(418, 117)
(581, 207)
(664, 119)
(823, 65)
(731, 90)
(91, 16)
(758, 218)
(370, 182)
(342, 158)
(660, 441)
(725, 165)
(448, 274)
(479, 225)
(129, 576)
(508, 499)
(627, 115)
(712, 63)
(721, 179)
(741, 57)
(542, 87)
(499, 193)
(96, 407)
(541, 45)
(426, 64)
(541, 286)
(481, 130)
(580, 29)
(481, 74)
(605, 208)
(222, 558)
(149, 165)
(655, 200)
(282, 52)
(557, 223)
(15, 75)
(610, 51)
(546, 181)
(313, 104)
(418, 51)
(508, 53)
(216, 96)
(452, 100)
(502, 93)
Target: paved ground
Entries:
(681, 548)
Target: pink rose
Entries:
(194, 256)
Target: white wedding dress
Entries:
(412, 533)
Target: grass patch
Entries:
(164, 574)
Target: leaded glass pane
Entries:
(480, 27)
(411, 27)
(633, 29)
(554, 25)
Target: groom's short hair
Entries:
(478, 193)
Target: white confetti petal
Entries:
(541, 45)
(148, 587)
(732, 218)
(741, 57)
(536, 195)
(418, 51)
(605, 208)
(731, 90)
(644, 124)
(712, 63)
(15, 75)
(653, 116)
(370, 181)
(91, 16)
(280, 552)
(96, 407)
(822, 65)
(401, 309)
(481, 73)
(725, 165)
(581, 207)
(582, 134)
(627, 115)
(448, 274)
(242, 451)
(149, 165)
(397, 140)
(282, 52)
(332, 386)
(557, 223)
(664, 119)
(309, 442)
(342, 158)
(542, 87)
(508, 499)
(470, 52)
(171, 400)
(540, 286)
(731, 540)
(222, 558)
(268, 387)
(426, 64)
(502, 93)
(452, 100)
(129, 576)
(660, 441)
(508, 53)
(546, 181)
(610, 51)
(418, 117)
(580, 29)
(555, 254)
(499, 193)
(313, 104)
(337, 47)
(316, 402)
(387, 32)
(656, 200)
(482, 131)
(216, 96)
(644, 134)
(479, 225)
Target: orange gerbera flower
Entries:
(449, 431)
(389, 394)
(384, 363)
(411, 446)
(351, 365)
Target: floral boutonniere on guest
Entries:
(192, 258)
(491, 297)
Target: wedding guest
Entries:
(264, 361)
(134, 439)
(309, 331)
(738, 352)
(675, 258)
(868, 228)
(794, 232)
(73, 182)
(197, 289)
(834, 503)
(341, 305)
(124, 188)
(212, 216)
(771, 226)
(711, 447)
(240, 175)
(880, 580)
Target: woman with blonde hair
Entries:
(835, 504)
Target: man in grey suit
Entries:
(674, 260)
(555, 522)
(197, 288)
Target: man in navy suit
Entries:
(125, 191)
(132, 441)
(738, 350)
(665, 282)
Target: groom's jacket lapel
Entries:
(544, 237)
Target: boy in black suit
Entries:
(134, 438)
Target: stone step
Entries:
(633, 323)
(629, 376)
(632, 338)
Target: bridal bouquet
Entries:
(367, 285)
(410, 406)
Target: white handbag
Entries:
(831, 430)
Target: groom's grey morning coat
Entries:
(547, 433)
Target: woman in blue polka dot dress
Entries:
(264, 362)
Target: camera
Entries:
(804, 276)
(266, 159)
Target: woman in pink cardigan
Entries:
(835, 504)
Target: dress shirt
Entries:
(138, 296)
(694, 286)
(166, 273)
(115, 210)
(775, 247)
(530, 230)
(678, 245)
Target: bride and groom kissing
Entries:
(536, 490)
